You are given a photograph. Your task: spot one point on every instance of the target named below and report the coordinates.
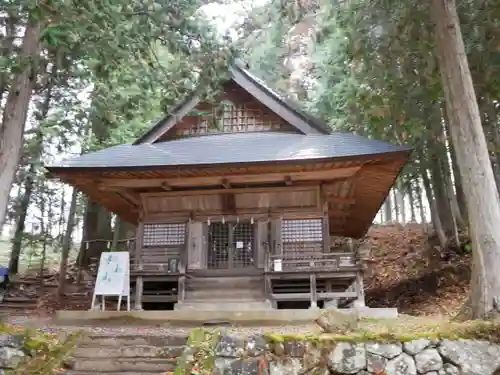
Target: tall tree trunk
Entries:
(60, 228)
(127, 231)
(97, 218)
(472, 154)
(66, 246)
(458, 184)
(97, 232)
(400, 194)
(116, 234)
(7, 49)
(421, 203)
(436, 221)
(388, 209)
(490, 123)
(411, 197)
(395, 204)
(15, 252)
(15, 113)
(459, 195)
(29, 183)
(440, 195)
(83, 245)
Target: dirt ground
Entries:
(407, 270)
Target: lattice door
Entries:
(231, 245)
(218, 246)
(158, 235)
(243, 245)
(302, 238)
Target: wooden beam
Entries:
(324, 175)
(248, 190)
(307, 296)
(273, 103)
(132, 197)
(342, 200)
(165, 186)
(228, 203)
(169, 121)
(115, 203)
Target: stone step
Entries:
(225, 282)
(226, 294)
(132, 365)
(136, 351)
(223, 305)
(222, 288)
(71, 372)
(136, 340)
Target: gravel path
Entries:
(114, 328)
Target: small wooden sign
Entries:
(113, 278)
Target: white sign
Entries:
(113, 277)
(239, 244)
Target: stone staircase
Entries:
(240, 293)
(126, 355)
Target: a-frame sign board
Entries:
(113, 278)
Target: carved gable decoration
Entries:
(246, 105)
(231, 117)
(228, 116)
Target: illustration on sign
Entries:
(113, 275)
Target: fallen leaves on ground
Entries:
(407, 270)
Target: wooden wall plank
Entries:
(195, 245)
(262, 242)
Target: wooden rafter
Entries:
(229, 180)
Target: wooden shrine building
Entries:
(235, 206)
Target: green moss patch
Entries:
(200, 353)
(45, 352)
(399, 330)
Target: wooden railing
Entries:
(162, 260)
(317, 262)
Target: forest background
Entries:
(81, 75)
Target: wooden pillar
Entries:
(314, 296)
(139, 287)
(262, 243)
(360, 290)
(326, 231)
(331, 303)
(194, 245)
(276, 239)
(139, 283)
(182, 289)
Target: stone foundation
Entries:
(31, 352)
(259, 356)
(12, 352)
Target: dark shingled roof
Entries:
(231, 149)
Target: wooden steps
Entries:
(240, 293)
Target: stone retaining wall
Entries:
(258, 356)
(11, 352)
